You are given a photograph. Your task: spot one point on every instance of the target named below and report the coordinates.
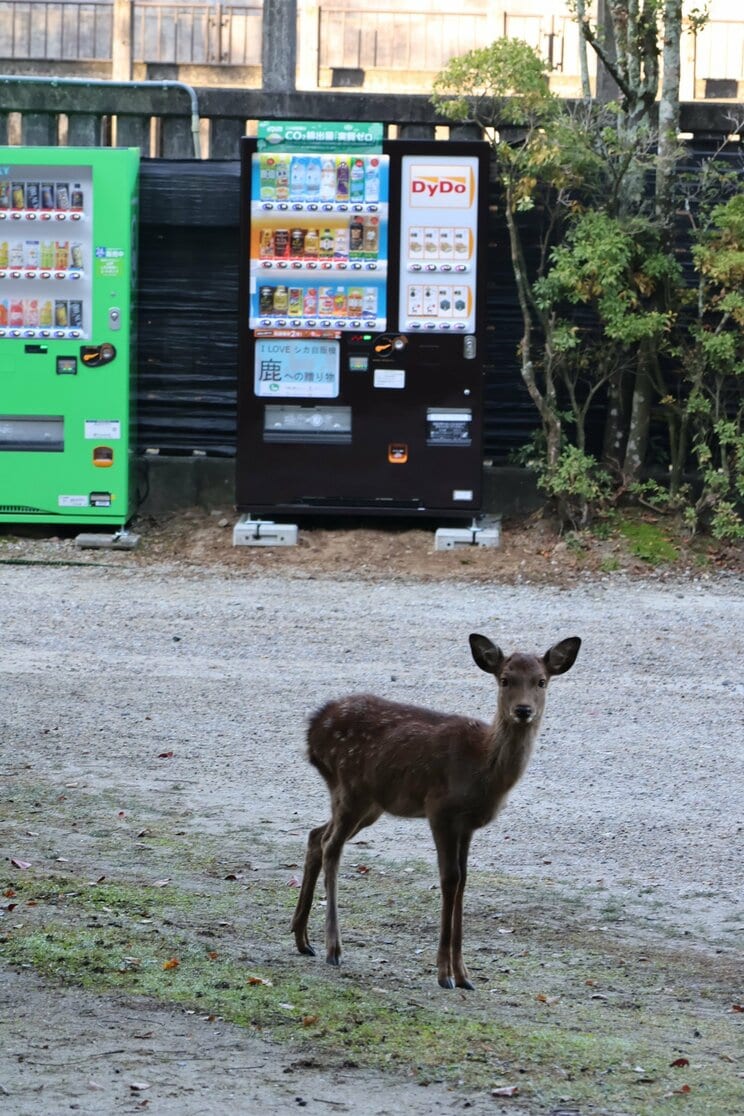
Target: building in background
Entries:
(395, 46)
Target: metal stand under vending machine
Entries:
(67, 267)
(362, 323)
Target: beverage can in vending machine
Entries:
(61, 317)
(266, 177)
(4, 254)
(47, 254)
(296, 302)
(4, 193)
(3, 312)
(310, 302)
(45, 313)
(16, 312)
(18, 195)
(342, 179)
(62, 194)
(76, 255)
(32, 195)
(281, 300)
(297, 243)
(16, 253)
(356, 180)
(281, 243)
(266, 244)
(312, 244)
(76, 196)
(76, 313)
(265, 300)
(47, 195)
(62, 255)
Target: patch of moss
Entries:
(648, 541)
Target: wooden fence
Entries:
(157, 117)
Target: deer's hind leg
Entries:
(313, 864)
(346, 823)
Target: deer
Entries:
(379, 756)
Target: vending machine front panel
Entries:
(348, 412)
(67, 250)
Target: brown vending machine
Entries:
(362, 323)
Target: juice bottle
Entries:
(312, 244)
(267, 177)
(282, 178)
(372, 237)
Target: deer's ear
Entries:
(562, 656)
(487, 655)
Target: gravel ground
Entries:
(636, 781)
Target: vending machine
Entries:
(68, 220)
(362, 323)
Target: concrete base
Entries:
(263, 532)
(119, 540)
(171, 484)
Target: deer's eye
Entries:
(504, 681)
(542, 683)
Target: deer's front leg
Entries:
(458, 965)
(313, 864)
(447, 842)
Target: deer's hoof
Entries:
(333, 959)
(446, 982)
(306, 949)
(466, 984)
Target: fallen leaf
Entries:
(9, 894)
(172, 964)
(506, 1091)
(234, 876)
(259, 980)
(213, 955)
(294, 882)
(310, 1020)
(165, 755)
(161, 883)
(680, 1062)
(20, 863)
(362, 869)
(138, 1086)
(550, 1000)
(684, 1089)
(737, 1007)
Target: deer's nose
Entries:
(523, 712)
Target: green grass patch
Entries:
(224, 949)
(648, 541)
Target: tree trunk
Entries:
(638, 426)
(669, 115)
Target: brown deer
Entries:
(380, 756)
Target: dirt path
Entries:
(151, 729)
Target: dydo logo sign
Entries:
(445, 185)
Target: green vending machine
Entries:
(68, 237)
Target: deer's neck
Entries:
(510, 747)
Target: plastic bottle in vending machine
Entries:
(356, 238)
(267, 177)
(297, 178)
(282, 178)
(325, 250)
(312, 178)
(312, 244)
(356, 180)
(327, 178)
(342, 179)
(371, 237)
(372, 179)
